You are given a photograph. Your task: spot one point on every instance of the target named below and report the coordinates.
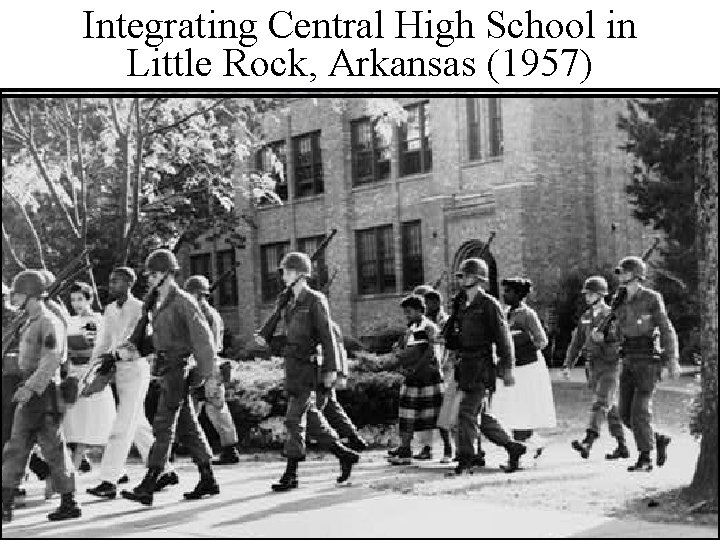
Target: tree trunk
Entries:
(705, 482)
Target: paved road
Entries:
(247, 508)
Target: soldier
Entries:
(480, 324)
(602, 366)
(179, 330)
(638, 318)
(216, 407)
(37, 419)
(308, 323)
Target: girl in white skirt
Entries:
(528, 405)
(89, 420)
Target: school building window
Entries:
(227, 290)
(200, 265)
(370, 152)
(308, 165)
(272, 160)
(375, 260)
(484, 123)
(415, 149)
(270, 257)
(412, 255)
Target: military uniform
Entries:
(481, 324)
(179, 331)
(11, 376)
(638, 318)
(333, 411)
(216, 407)
(307, 324)
(603, 369)
(38, 419)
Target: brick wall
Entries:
(551, 197)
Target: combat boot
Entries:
(464, 466)
(583, 447)
(621, 452)
(228, 456)
(68, 509)
(39, 467)
(206, 486)
(661, 444)
(166, 479)
(515, 451)
(357, 443)
(347, 458)
(479, 459)
(143, 493)
(403, 456)
(289, 479)
(8, 500)
(425, 454)
(643, 463)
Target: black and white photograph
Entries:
(359, 314)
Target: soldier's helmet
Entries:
(297, 261)
(197, 285)
(127, 272)
(30, 283)
(47, 276)
(474, 266)
(595, 284)
(162, 260)
(635, 265)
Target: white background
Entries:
(43, 46)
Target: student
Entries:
(89, 420)
(421, 394)
(529, 405)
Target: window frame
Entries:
(316, 180)
(425, 138)
(383, 258)
(224, 298)
(417, 276)
(270, 281)
(281, 187)
(372, 153)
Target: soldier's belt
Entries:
(638, 345)
(79, 360)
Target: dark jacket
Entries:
(307, 325)
(638, 318)
(180, 329)
(418, 354)
(482, 325)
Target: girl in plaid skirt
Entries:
(422, 393)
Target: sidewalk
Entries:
(247, 508)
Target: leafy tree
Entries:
(662, 136)
(705, 482)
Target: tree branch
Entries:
(31, 227)
(30, 144)
(155, 103)
(73, 190)
(188, 117)
(81, 174)
(7, 248)
(114, 115)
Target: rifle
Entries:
(269, 326)
(451, 331)
(69, 270)
(618, 300)
(436, 284)
(139, 337)
(326, 287)
(225, 275)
